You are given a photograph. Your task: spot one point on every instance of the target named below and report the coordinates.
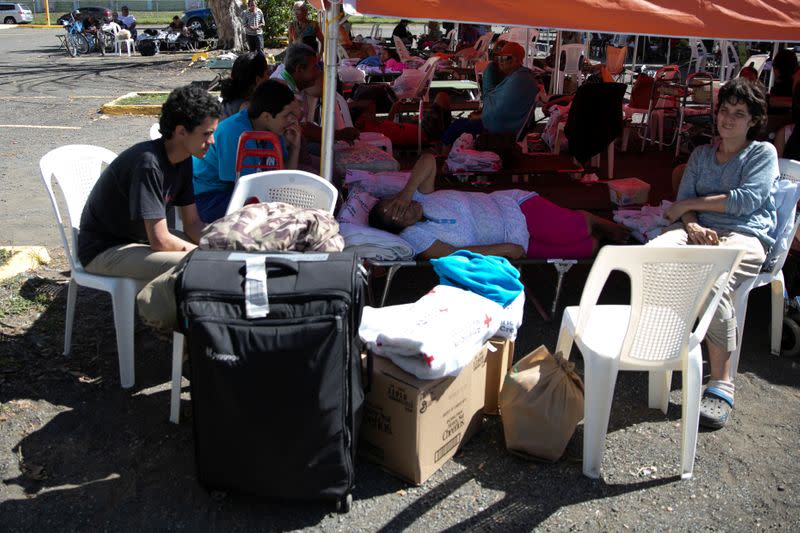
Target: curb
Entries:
(113, 108)
(41, 26)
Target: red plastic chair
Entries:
(269, 158)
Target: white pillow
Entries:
(375, 243)
(380, 184)
(355, 209)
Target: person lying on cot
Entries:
(272, 107)
(509, 223)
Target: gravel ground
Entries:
(79, 453)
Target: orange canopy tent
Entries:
(751, 20)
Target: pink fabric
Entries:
(394, 65)
(556, 232)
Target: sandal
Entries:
(715, 408)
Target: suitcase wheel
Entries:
(344, 504)
(790, 341)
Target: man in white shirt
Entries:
(128, 20)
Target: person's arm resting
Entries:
(161, 240)
(442, 249)
(192, 225)
(422, 179)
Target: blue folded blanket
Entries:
(487, 275)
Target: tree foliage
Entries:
(277, 16)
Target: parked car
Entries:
(200, 19)
(100, 13)
(15, 13)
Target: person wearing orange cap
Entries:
(507, 98)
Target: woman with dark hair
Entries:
(248, 71)
(725, 199)
(785, 65)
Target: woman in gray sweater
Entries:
(725, 199)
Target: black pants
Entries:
(255, 42)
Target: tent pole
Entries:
(587, 46)
(669, 49)
(329, 88)
(723, 66)
(527, 47)
(555, 84)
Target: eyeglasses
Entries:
(504, 58)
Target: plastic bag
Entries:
(541, 403)
(406, 85)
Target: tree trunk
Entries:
(230, 30)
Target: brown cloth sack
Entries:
(541, 403)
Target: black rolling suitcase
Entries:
(275, 374)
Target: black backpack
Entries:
(148, 47)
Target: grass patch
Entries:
(143, 99)
(5, 256)
(18, 297)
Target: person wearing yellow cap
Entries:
(507, 97)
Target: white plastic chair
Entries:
(452, 40)
(295, 187)
(786, 198)
(572, 64)
(129, 45)
(653, 333)
(404, 55)
(421, 94)
(76, 169)
(374, 138)
(731, 65)
(155, 133)
(697, 62)
(525, 37)
(757, 61)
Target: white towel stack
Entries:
(437, 335)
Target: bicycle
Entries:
(99, 40)
(74, 41)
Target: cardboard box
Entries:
(411, 426)
(498, 363)
(628, 191)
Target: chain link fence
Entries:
(153, 6)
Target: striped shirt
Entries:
(253, 20)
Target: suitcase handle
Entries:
(283, 264)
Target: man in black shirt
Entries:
(123, 229)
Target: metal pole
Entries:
(723, 65)
(329, 87)
(635, 53)
(555, 81)
(669, 49)
(47, 11)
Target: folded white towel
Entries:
(434, 337)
